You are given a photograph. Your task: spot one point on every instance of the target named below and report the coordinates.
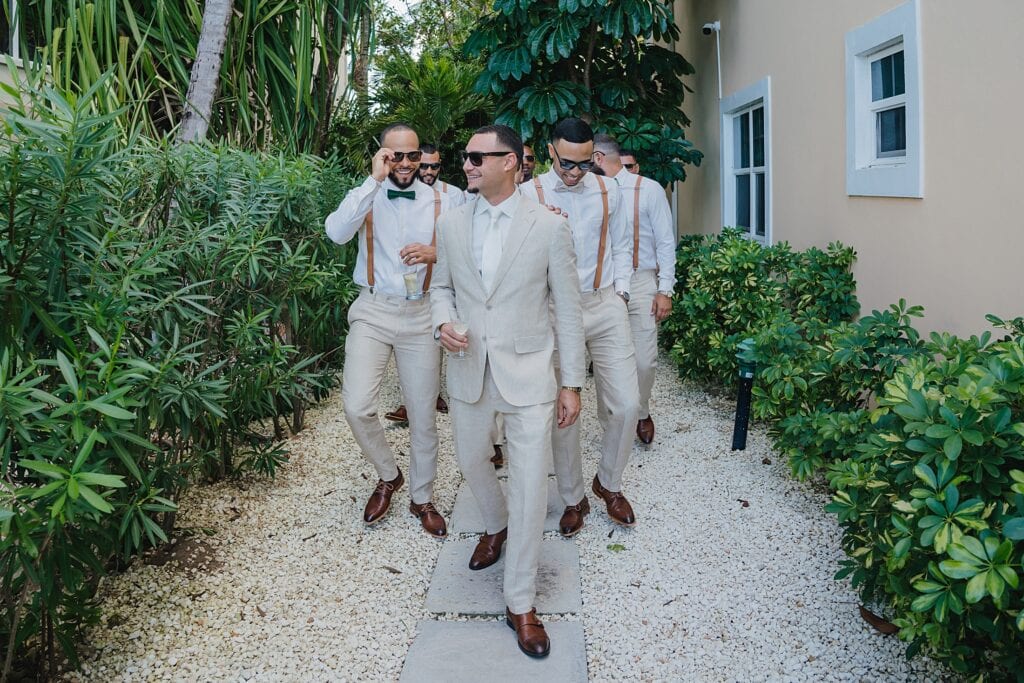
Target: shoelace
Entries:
(384, 486)
(427, 507)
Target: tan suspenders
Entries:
(636, 223)
(604, 224)
(368, 223)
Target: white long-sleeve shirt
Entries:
(396, 223)
(457, 194)
(585, 214)
(657, 234)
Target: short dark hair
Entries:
(428, 148)
(506, 137)
(572, 130)
(393, 128)
(623, 152)
(603, 140)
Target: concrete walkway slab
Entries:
(456, 588)
(456, 651)
(466, 517)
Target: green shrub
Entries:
(932, 502)
(730, 288)
(156, 301)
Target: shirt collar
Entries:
(507, 207)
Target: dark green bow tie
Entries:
(405, 194)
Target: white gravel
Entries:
(703, 588)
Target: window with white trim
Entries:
(883, 106)
(746, 161)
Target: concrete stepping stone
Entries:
(456, 651)
(455, 588)
(466, 517)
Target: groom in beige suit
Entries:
(502, 262)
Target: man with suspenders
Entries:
(654, 253)
(602, 243)
(394, 216)
(429, 170)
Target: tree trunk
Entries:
(326, 80)
(361, 69)
(205, 81)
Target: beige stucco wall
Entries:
(5, 78)
(958, 251)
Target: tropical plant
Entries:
(143, 347)
(931, 502)
(276, 82)
(594, 59)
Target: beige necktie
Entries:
(491, 255)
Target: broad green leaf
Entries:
(46, 468)
(955, 569)
(113, 481)
(977, 588)
(111, 411)
(95, 500)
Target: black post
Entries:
(748, 366)
(739, 429)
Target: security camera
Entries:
(711, 27)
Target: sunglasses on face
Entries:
(528, 157)
(431, 167)
(630, 167)
(477, 158)
(413, 156)
(567, 165)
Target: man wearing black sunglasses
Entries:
(393, 215)
(629, 162)
(654, 253)
(503, 263)
(529, 163)
(602, 245)
(429, 169)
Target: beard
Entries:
(428, 179)
(399, 182)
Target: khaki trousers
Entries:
(379, 325)
(609, 342)
(642, 289)
(529, 457)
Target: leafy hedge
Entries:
(158, 305)
(922, 439)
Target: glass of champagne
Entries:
(459, 327)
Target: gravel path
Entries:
(281, 580)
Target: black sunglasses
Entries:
(413, 156)
(528, 157)
(477, 158)
(569, 165)
(432, 167)
(632, 165)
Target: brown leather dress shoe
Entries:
(572, 518)
(645, 430)
(619, 508)
(380, 499)
(399, 414)
(530, 634)
(488, 550)
(430, 519)
(498, 459)
(441, 405)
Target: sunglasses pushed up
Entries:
(477, 158)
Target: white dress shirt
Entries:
(456, 194)
(657, 234)
(482, 213)
(396, 223)
(583, 205)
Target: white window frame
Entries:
(758, 94)
(15, 31)
(867, 173)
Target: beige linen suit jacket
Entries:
(511, 326)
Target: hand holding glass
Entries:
(461, 328)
